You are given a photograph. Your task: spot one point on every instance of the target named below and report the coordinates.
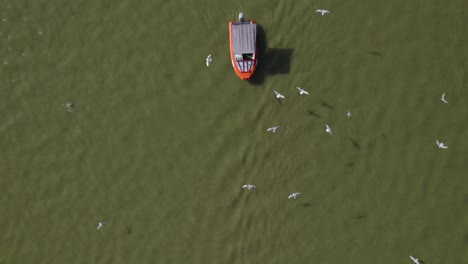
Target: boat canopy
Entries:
(244, 38)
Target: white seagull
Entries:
(208, 60)
(302, 91)
(293, 195)
(415, 260)
(322, 11)
(278, 95)
(441, 144)
(328, 129)
(69, 106)
(101, 225)
(443, 98)
(273, 129)
(348, 114)
(249, 186)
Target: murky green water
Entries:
(158, 145)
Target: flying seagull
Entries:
(415, 260)
(249, 186)
(101, 225)
(69, 106)
(322, 11)
(293, 195)
(441, 144)
(302, 91)
(328, 129)
(349, 114)
(273, 129)
(443, 98)
(278, 95)
(208, 60)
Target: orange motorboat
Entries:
(243, 46)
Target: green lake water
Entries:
(159, 145)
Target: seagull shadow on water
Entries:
(375, 53)
(279, 100)
(312, 113)
(466, 238)
(306, 204)
(359, 216)
(355, 144)
(271, 61)
(129, 230)
(325, 104)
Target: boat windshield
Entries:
(248, 56)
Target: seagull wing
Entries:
(270, 129)
(443, 98)
(318, 10)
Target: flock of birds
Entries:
(329, 131)
(273, 129)
(69, 106)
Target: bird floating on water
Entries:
(328, 129)
(322, 11)
(441, 144)
(415, 260)
(208, 60)
(302, 91)
(273, 129)
(294, 195)
(249, 186)
(348, 114)
(101, 225)
(278, 95)
(443, 98)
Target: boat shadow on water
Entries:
(271, 61)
